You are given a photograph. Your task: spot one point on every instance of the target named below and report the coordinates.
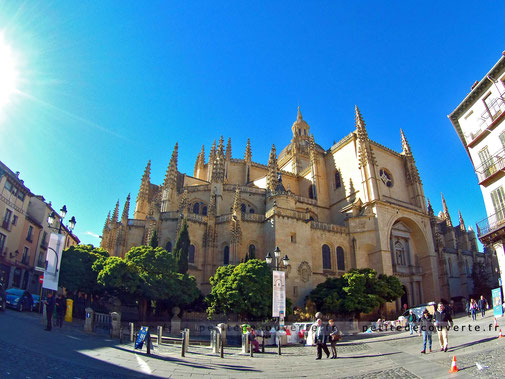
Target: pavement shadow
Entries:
(462, 346)
(369, 355)
(182, 362)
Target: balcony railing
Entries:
(493, 165)
(496, 108)
(492, 223)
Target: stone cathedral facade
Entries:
(357, 204)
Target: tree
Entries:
(357, 291)
(146, 274)
(181, 248)
(245, 289)
(76, 268)
(154, 240)
(481, 279)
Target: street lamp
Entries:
(276, 260)
(63, 212)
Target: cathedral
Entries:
(357, 204)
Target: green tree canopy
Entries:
(357, 291)
(154, 240)
(245, 289)
(181, 248)
(76, 273)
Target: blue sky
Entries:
(104, 87)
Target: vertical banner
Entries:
(53, 258)
(497, 302)
(279, 294)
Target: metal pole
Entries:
(279, 341)
(222, 347)
(263, 341)
(251, 349)
(183, 343)
(160, 333)
(148, 343)
(121, 335)
(132, 331)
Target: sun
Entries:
(8, 72)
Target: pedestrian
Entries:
(60, 309)
(443, 321)
(320, 339)
(334, 337)
(49, 302)
(251, 337)
(467, 308)
(412, 321)
(426, 327)
(483, 305)
(473, 309)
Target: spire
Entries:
(405, 144)
(365, 151)
(461, 222)
(146, 180)
(212, 154)
(218, 166)
(115, 215)
(248, 154)
(430, 209)
(107, 223)
(448, 221)
(171, 175)
(202, 157)
(126, 210)
(299, 115)
(197, 163)
(312, 149)
(236, 218)
(273, 169)
(228, 149)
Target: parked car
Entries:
(36, 303)
(19, 299)
(3, 300)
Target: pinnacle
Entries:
(248, 154)
(299, 115)
(228, 149)
(405, 144)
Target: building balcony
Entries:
(492, 229)
(488, 120)
(493, 168)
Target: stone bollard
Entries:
(132, 331)
(213, 341)
(89, 321)
(160, 334)
(175, 322)
(245, 344)
(116, 324)
(186, 338)
(222, 327)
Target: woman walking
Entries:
(473, 309)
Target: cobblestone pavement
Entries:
(27, 351)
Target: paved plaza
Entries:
(28, 351)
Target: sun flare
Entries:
(8, 72)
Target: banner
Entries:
(53, 258)
(279, 294)
(497, 302)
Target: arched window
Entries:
(204, 210)
(226, 255)
(311, 192)
(299, 132)
(326, 257)
(243, 208)
(340, 259)
(400, 254)
(168, 246)
(252, 252)
(191, 254)
(338, 182)
(196, 208)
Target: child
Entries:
(426, 327)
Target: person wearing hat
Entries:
(426, 328)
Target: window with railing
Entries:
(3, 237)
(7, 219)
(41, 261)
(29, 235)
(498, 199)
(26, 256)
(492, 106)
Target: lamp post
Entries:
(63, 212)
(279, 280)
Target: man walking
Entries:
(483, 305)
(320, 339)
(443, 321)
(49, 302)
